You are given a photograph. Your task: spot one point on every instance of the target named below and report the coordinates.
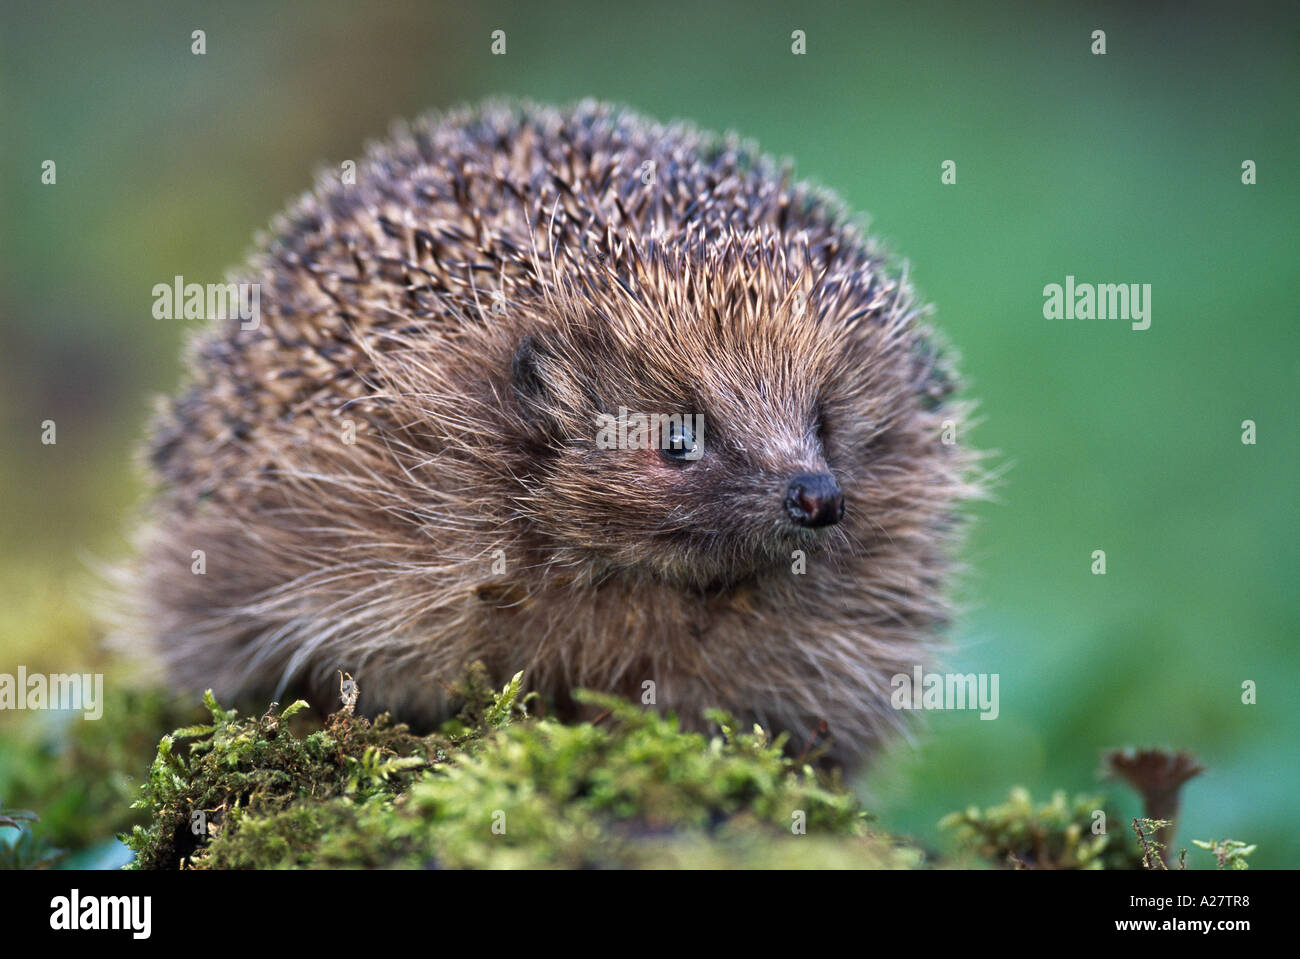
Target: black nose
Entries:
(814, 499)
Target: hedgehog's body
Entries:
(397, 472)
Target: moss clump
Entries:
(1228, 853)
(1055, 835)
(494, 789)
(208, 781)
(633, 791)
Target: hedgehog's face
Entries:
(701, 455)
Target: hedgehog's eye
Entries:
(680, 445)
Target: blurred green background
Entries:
(1117, 168)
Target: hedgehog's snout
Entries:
(814, 499)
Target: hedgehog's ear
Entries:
(530, 384)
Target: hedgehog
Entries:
(618, 404)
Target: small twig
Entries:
(1152, 851)
(821, 730)
(349, 690)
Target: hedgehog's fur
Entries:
(493, 280)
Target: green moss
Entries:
(493, 787)
(209, 782)
(1058, 834)
(632, 791)
(496, 789)
(1228, 853)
